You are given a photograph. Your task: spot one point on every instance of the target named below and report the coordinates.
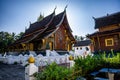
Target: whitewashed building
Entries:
(82, 48)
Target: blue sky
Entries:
(15, 15)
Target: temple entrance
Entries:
(37, 45)
(51, 45)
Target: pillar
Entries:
(98, 41)
(31, 46)
(51, 45)
(30, 69)
(68, 47)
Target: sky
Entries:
(16, 15)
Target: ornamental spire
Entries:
(40, 17)
(65, 7)
(55, 8)
(94, 18)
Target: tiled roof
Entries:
(43, 28)
(105, 32)
(107, 20)
(82, 43)
(39, 25)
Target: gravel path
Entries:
(11, 72)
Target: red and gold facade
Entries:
(53, 33)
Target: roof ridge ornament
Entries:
(65, 7)
(55, 9)
(94, 18)
(30, 22)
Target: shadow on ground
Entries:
(12, 72)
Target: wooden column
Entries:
(98, 41)
(23, 45)
(51, 45)
(31, 46)
(43, 43)
(68, 47)
(68, 43)
(93, 41)
(93, 44)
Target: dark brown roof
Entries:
(53, 25)
(82, 43)
(107, 20)
(105, 32)
(44, 28)
(38, 25)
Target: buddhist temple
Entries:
(52, 32)
(107, 37)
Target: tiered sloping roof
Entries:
(105, 32)
(107, 20)
(45, 28)
(82, 43)
(112, 19)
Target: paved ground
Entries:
(11, 72)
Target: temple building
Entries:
(107, 37)
(52, 32)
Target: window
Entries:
(87, 49)
(109, 42)
(77, 48)
(80, 48)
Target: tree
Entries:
(87, 36)
(8, 38)
(5, 40)
(19, 35)
(79, 38)
(75, 37)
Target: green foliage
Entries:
(83, 67)
(90, 64)
(7, 39)
(53, 72)
(19, 35)
(79, 38)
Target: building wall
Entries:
(60, 39)
(57, 41)
(81, 50)
(108, 28)
(96, 44)
(103, 47)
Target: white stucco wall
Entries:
(82, 50)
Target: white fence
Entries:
(40, 60)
